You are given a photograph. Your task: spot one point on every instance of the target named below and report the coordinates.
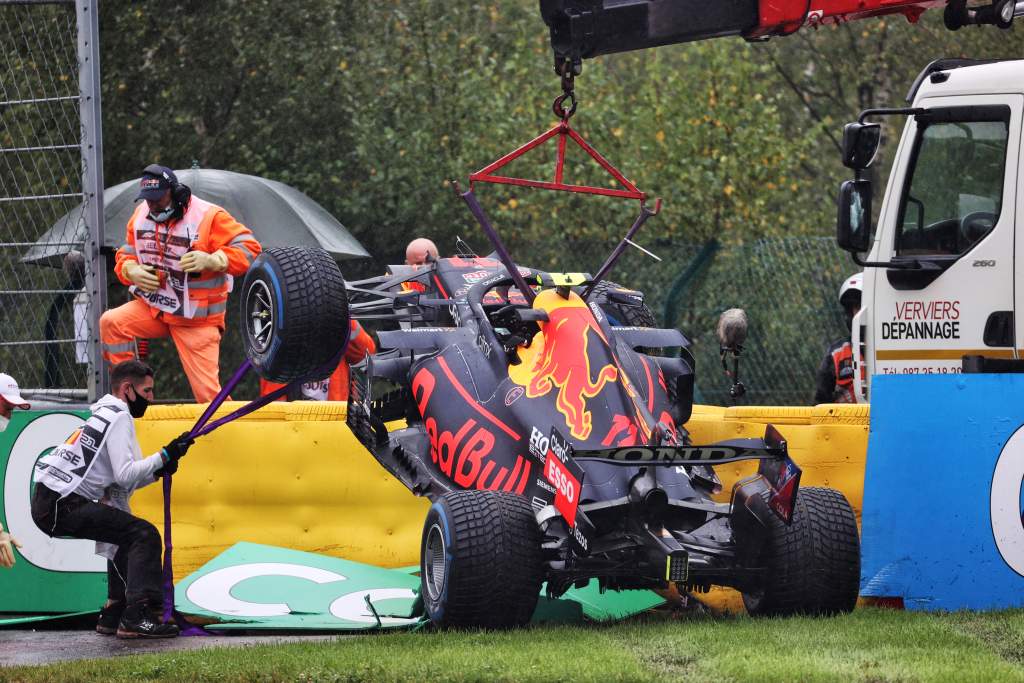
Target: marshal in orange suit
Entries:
(179, 257)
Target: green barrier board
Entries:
(49, 575)
(607, 606)
(251, 586)
(19, 620)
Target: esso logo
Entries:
(561, 480)
(1005, 502)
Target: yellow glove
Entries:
(199, 261)
(143, 277)
(6, 551)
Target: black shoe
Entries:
(110, 615)
(138, 621)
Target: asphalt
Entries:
(27, 647)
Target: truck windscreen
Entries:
(952, 194)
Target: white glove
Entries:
(143, 277)
(199, 261)
(6, 551)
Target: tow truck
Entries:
(939, 289)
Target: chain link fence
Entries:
(788, 286)
(49, 148)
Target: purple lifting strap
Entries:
(201, 428)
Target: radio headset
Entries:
(180, 193)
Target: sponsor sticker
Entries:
(513, 395)
(580, 535)
(565, 475)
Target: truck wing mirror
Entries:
(860, 144)
(853, 224)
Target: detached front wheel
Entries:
(480, 560)
(294, 314)
(813, 565)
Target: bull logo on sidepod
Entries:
(559, 357)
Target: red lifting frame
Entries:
(563, 131)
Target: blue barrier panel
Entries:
(942, 522)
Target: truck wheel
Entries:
(623, 314)
(480, 560)
(813, 565)
(294, 313)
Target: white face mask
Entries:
(162, 215)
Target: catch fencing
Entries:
(52, 286)
(788, 286)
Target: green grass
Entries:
(868, 645)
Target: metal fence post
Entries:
(87, 12)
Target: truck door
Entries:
(954, 214)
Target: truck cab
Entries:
(939, 268)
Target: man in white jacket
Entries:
(82, 490)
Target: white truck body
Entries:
(951, 205)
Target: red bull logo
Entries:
(559, 359)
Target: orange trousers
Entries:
(198, 346)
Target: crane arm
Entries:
(581, 29)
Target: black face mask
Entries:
(137, 406)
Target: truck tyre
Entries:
(813, 565)
(623, 314)
(480, 560)
(294, 314)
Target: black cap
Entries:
(156, 180)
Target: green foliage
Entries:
(372, 108)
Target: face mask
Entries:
(163, 215)
(137, 406)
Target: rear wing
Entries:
(776, 467)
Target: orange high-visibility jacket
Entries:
(204, 227)
(360, 345)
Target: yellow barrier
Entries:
(829, 442)
(293, 475)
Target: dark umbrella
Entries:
(279, 215)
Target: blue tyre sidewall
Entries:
(439, 513)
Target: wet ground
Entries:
(29, 647)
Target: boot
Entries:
(110, 615)
(139, 621)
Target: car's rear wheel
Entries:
(480, 560)
(629, 315)
(294, 313)
(812, 565)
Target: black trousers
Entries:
(117, 571)
(138, 541)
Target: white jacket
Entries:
(119, 460)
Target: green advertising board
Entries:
(49, 575)
(252, 586)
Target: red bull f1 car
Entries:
(543, 415)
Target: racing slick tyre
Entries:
(480, 560)
(624, 314)
(813, 565)
(294, 314)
